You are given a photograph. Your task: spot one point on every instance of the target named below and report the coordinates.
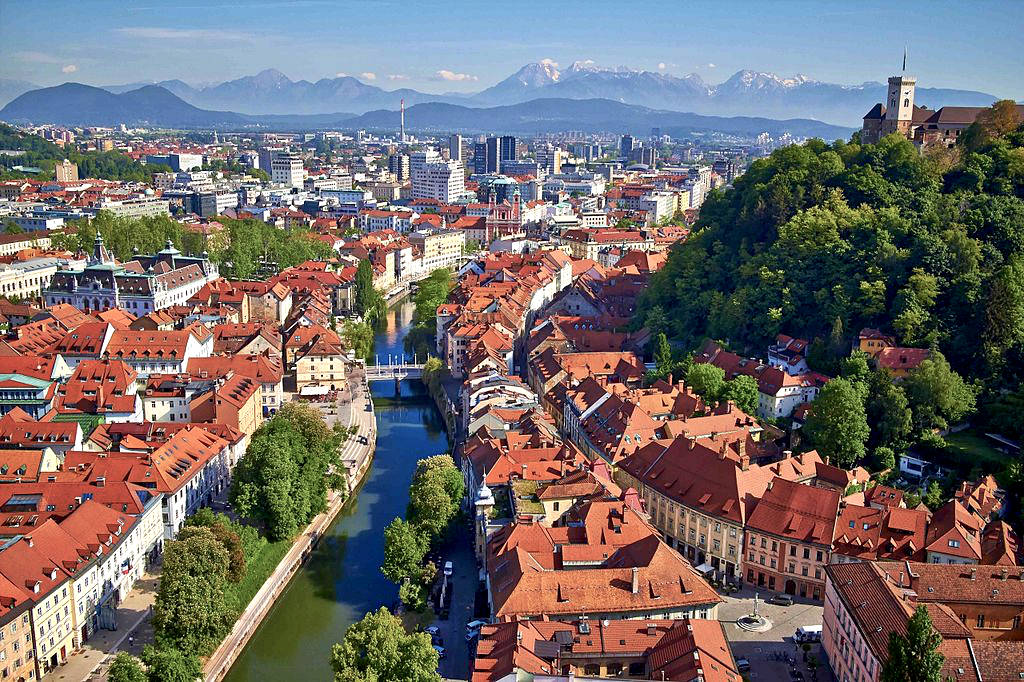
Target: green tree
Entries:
(937, 395)
(170, 665)
(888, 411)
(191, 612)
(914, 657)
(743, 391)
(377, 649)
(856, 370)
(283, 478)
(884, 459)
(359, 337)
(370, 303)
(126, 668)
(837, 425)
(933, 498)
(706, 381)
(443, 468)
(221, 527)
(663, 355)
(431, 293)
(430, 508)
(404, 549)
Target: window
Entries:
(807, 553)
(764, 543)
(803, 570)
(954, 543)
(981, 620)
(819, 557)
(792, 550)
(775, 546)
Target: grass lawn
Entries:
(973, 449)
(256, 573)
(526, 497)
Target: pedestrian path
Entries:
(134, 619)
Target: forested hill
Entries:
(821, 240)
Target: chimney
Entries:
(744, 462)
(974, 574)
(743, 447)
(722, 450)
(562, 467)
(28, 539)
(101, 481)
(1003, 573)
(636, 580)
(786, 454)
(652, 629)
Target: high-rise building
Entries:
(455, 147)
(66, 171)
(486, 156)
(286, 169)
(550, 157)
(626, 145)
(437, 179)
(507, 149)
(399, 165)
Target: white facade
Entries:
(286, 169)
(441, 180)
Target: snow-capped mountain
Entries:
(745, 93)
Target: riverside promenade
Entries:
(356, 455)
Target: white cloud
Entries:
(164, 33)
(711, 66)
(340, 74)
(397, 77)
(662, 66)
(70, 68)
(547, 61)
(368, 76)
(446, 75)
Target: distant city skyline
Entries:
(466, 47)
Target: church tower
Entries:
(899, 104)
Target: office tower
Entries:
(455, 147)
(507, 149)
(399, 165)
(626, 145)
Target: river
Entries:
(342, 580)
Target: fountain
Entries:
(754, 622)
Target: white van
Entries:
(808, 633)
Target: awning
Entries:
(705, 567)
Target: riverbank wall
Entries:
(357, 457)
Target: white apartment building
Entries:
(440, 248)
(28, 279)
(441, 180)
(286, 169)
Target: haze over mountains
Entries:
(154, 105)
(745, 93)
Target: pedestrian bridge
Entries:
(394, 369)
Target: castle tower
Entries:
(899, 103)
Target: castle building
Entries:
(921, 125)
(140, 286)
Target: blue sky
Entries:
(467, 46)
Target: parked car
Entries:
(781, 600)
(475, 625)
(432, 630)
(472, 634)
(441, 653)
(448, 568)
(743, 665)
(437, 640)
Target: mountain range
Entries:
(153, 105)
(745, 93)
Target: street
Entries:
(464, 583)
